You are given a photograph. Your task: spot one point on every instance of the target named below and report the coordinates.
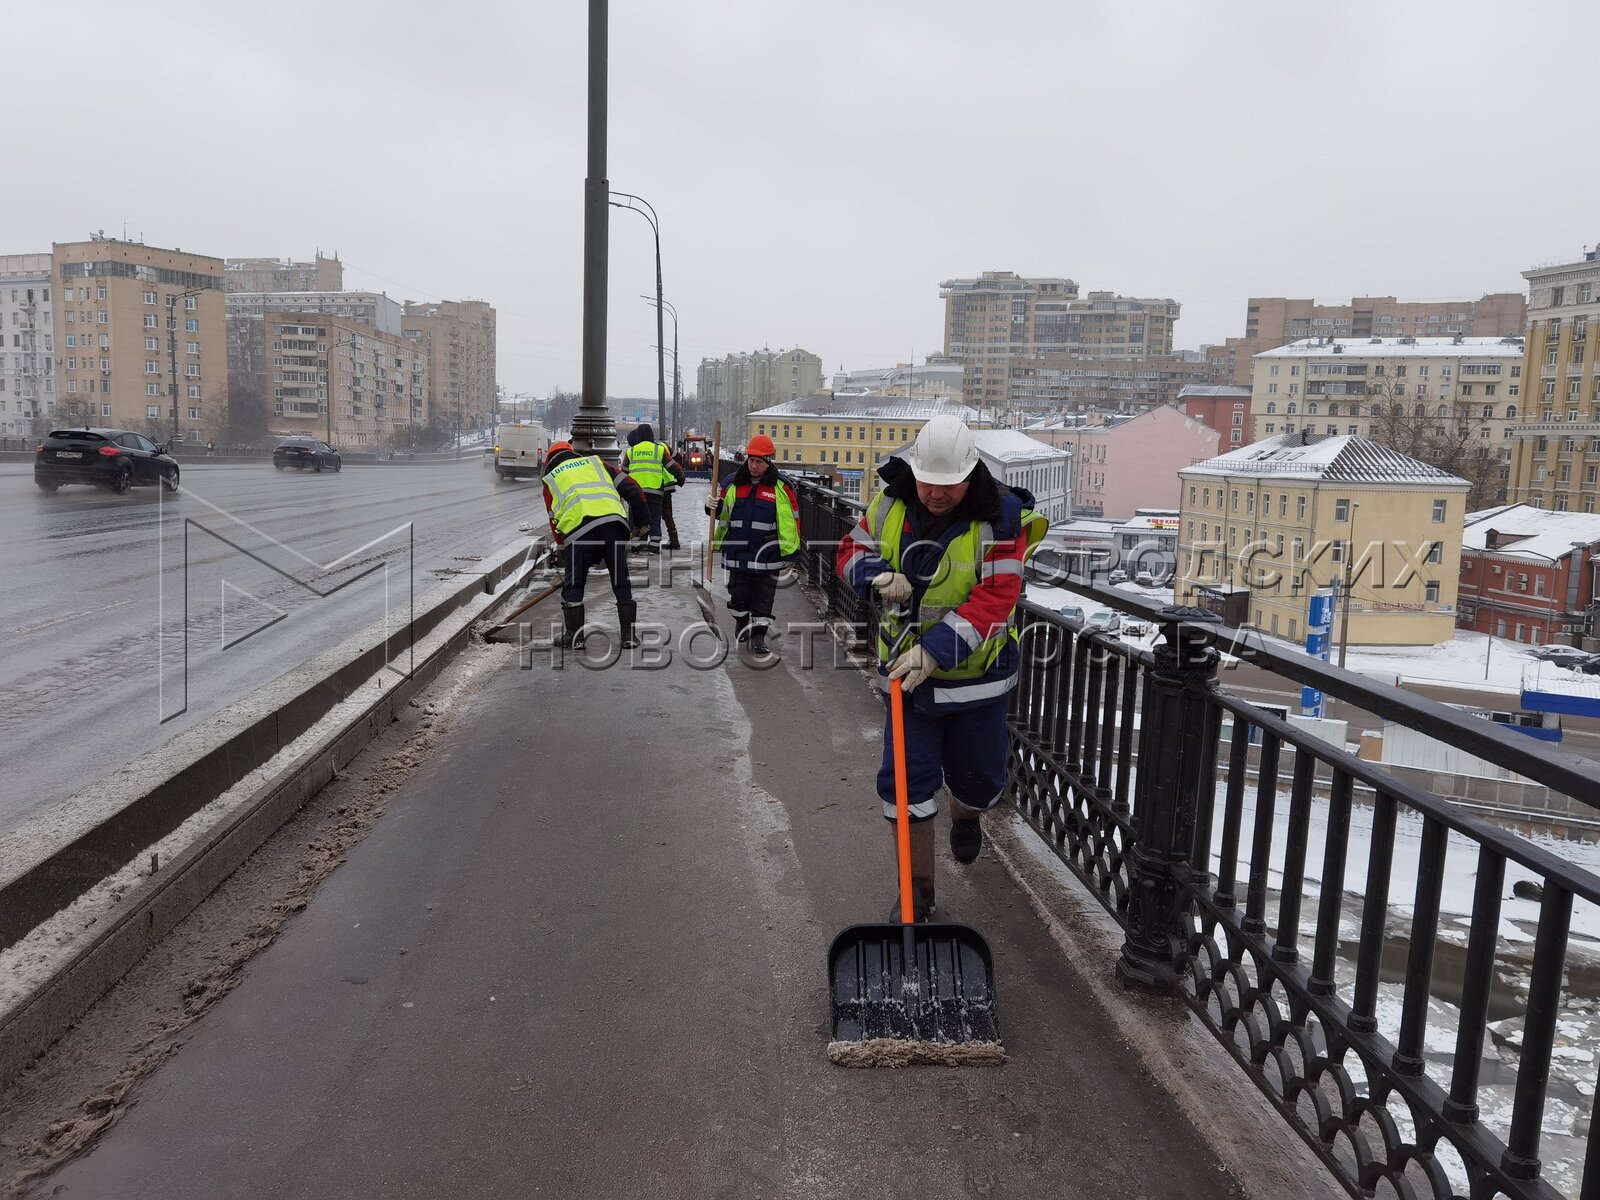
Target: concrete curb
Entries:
(227, 752)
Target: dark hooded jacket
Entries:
(645, 433)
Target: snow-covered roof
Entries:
(1344, 458)
(1532, 534)
(1164, 522)
(869, 408)
(1214, 389)
(1011, 445)
(1401, 347)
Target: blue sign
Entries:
(1320, 613)
(1317, 643)
(1311, 702)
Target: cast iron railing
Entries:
(1167, 797)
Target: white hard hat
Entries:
(944, 452)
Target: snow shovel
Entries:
(708, 605)
(907, 993)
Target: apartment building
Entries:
(1528, 574)
(133, 323)
(1121, 464)
(1272, 321)
(338, 379)
(1556, 463)
(1267, 525)
(739, 385)
(284, 275)
(27, 345)
(1222, 407)
(1000, 317)
(936, 379)
(1056, 382)
(372, 309)
(457, 340)
(1454, 399)
(846, 437)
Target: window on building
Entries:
(1438, 512)
(1300, 508)
(1430, 591)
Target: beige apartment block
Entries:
(1460, 399)
(1000, 318)
(739, 385)
(458, 342)
(1557, 460)
(376, 381)
(27, 346)
(1272, 321)
(1264, 527)
(284, 275)
(132, 321)
(1057, 382)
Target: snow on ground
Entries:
(1469, 660)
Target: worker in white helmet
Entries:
(943, 546)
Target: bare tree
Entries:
(1448, 434)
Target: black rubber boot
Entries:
(627, 612)
(758, 641)
(966, 837)
(572, 618)
(740, 624)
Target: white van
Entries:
(519, 451)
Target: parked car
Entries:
(118, 459)
(1105, 620)
(1119, 576)
(1135, 628)
(1146, 579)
(1589, 666)
(1564, 656)
(306, 454)
(1072, 612)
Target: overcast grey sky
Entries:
(819, 166)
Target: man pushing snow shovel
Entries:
(943, 546)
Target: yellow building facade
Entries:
(1556, 464)
(1264, 527)
(846, 437)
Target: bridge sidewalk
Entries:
(582, 954)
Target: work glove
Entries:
(639, 533)
(894, 587)
(912, 667)
(714, 503)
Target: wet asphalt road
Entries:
(262, 570)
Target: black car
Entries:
(306, 454)
(115, 458)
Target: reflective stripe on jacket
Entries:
(647, 463)
(581, 495)
(758, 526)
(972, 560)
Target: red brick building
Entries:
(1524, 578)
(1223, 408)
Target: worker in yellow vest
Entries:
(593, 507)
(943, 545)
(652, 467)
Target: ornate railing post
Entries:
(1177, 762)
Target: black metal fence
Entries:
(1291, 892)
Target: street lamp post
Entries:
(661, 365)
(677, 373)
(593, 430)
(172, 348)
(1350, 553)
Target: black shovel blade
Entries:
(922, 983)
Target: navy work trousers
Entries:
(608, 544)
(967, 749)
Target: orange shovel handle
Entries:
(902, 805)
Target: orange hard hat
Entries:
(760, 447)
(557, 447)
